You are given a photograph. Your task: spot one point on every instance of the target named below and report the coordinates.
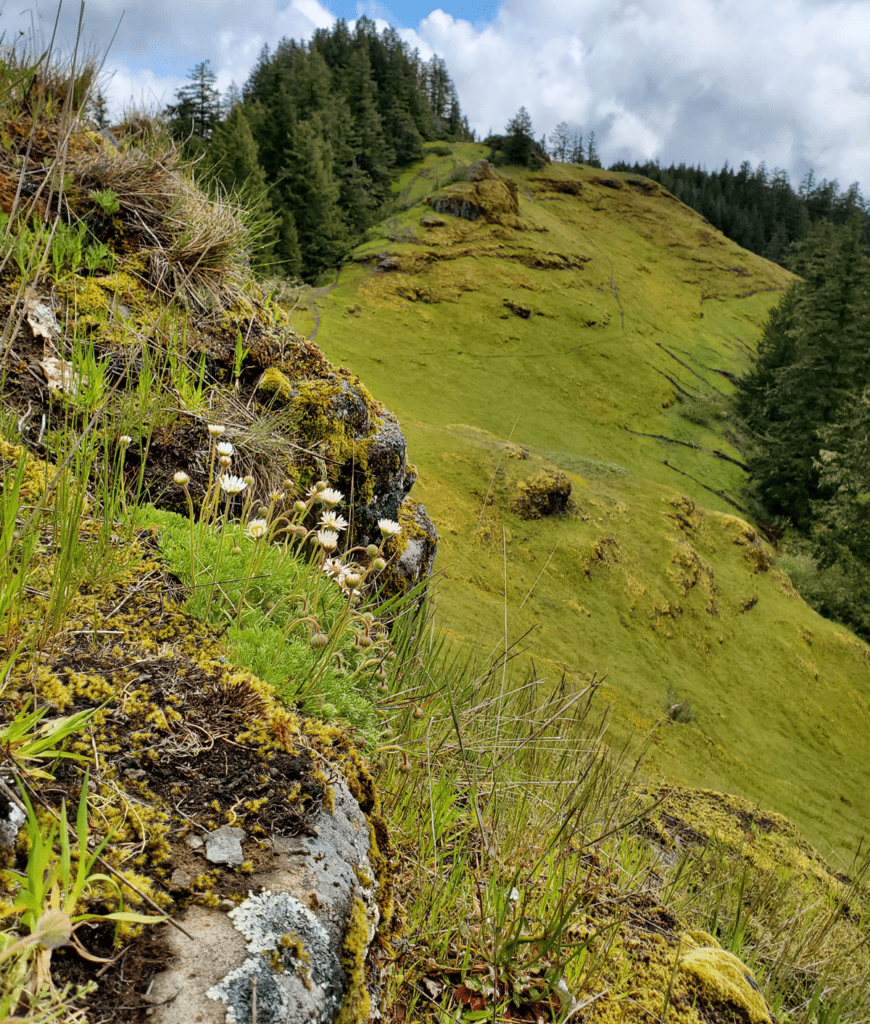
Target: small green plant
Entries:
(106, 199)
(678, 710)
(52, 892)
(27, 741)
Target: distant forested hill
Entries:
(756, 208)
(317, 133)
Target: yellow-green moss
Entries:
(356, 1007)
(721, 977)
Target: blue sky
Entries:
(786, 82)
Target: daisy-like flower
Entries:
(334, 568)
(276, 496)
(327, 539)
(232, 484)
(216, 429)
(388, 527)
(125, 439)
(181, 478)
(329, 496)
(224, 448)
(257, 528)
(333, 521)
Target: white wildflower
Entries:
(232, 484)
(329, 496)
(181, 478)
(276, 496)
(225, 448)
(257, 528)
(125, 439)
(389, 528)
(327, 539)
(216, 429)
(334, 568)
(333, 521)
(225, 461)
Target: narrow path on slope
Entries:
(317, 293)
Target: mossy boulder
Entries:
(546, 493)
(347, 437)
(484, 196)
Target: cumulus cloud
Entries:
(699, 81)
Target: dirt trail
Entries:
(317, 293)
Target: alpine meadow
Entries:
(433, 570)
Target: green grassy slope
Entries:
(597, 333)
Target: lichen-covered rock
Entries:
(351, 439)
(412, 553)
(297, 947)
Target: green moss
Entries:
(722, 978)
(356, 1008)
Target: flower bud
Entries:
(319, 641)
(54, 929)
(181, 478)
(372, 550)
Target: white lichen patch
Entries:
(303, 981)
(237, 989)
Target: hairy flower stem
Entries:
(217, 561)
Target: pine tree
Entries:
(813, 359)
(98, 110)
(196, 114)
(592, 153)
(312, 195)
(560, 142)
(519, 143)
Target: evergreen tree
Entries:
(98, 109)
(592, 152)
(519, 146)
(312, 195)
(813, 360)
(560, 140)
(196, 114)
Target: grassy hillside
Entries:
(592, 333)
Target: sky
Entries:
(701, 82)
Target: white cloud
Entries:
(700, 81)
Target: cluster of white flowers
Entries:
(346, 576)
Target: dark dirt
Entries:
(121, 996)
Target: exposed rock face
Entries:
(296, 946)
(485, 196)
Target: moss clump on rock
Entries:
(547, 493)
